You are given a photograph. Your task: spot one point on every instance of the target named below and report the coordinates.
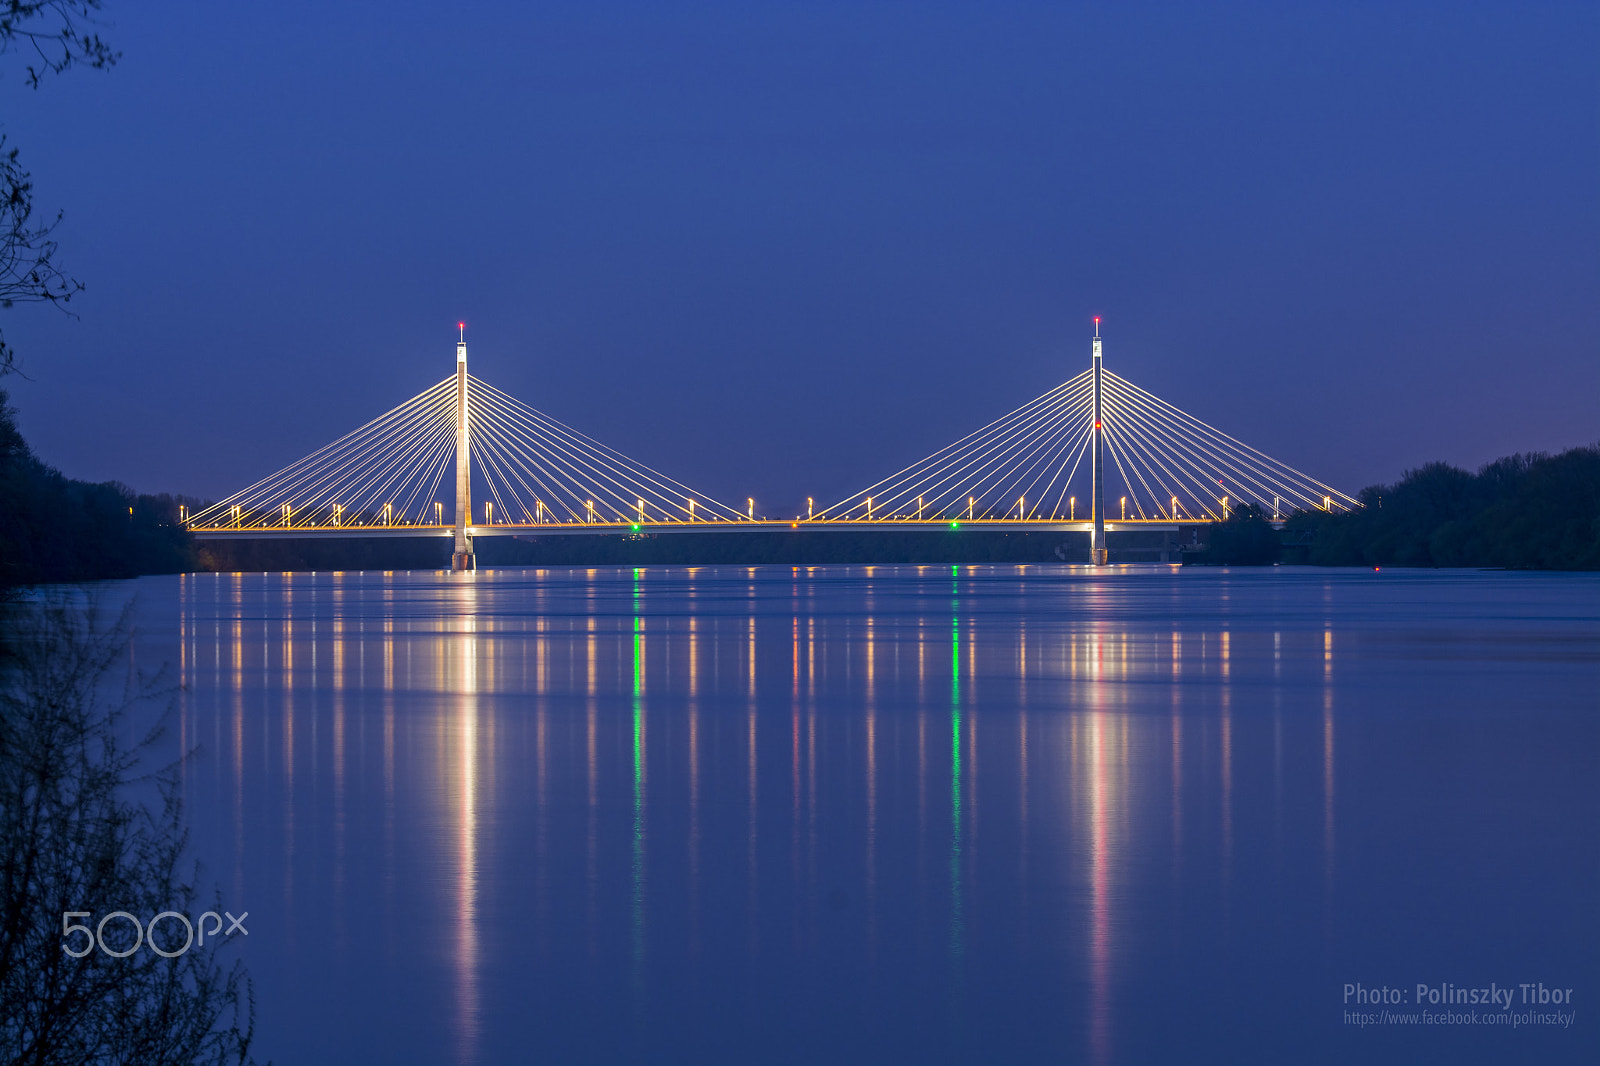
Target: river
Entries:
(894, 814)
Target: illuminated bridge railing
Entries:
(756, 525)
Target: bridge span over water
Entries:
(535, 476)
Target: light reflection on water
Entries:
(918, 813)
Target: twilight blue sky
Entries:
(780, 249)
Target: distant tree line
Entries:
(1245, 538)
(53, 528)
(1535, 511)
(1526, 512)
(284, 552)
(798, 548)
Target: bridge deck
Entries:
(1006, 525)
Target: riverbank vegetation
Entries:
(1535, 512)
(798, 548)
(88, 828)
(54, 528)
(1245, 539)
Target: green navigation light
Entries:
(955, 525)
(636, 527)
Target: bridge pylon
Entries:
(462, 558)
(1097, 510)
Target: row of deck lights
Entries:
(286, 514)
(1072, 508)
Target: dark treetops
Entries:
(53, 36)
(1536, 511)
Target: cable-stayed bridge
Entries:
(414, 471)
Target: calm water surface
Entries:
(911, 814)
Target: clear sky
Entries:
(780, 250)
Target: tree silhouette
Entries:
(75, 837)
(56, 35)
(1245, 539)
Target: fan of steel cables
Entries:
(527, 468)
(538, 470)
(1034, 464)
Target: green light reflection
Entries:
(956, 919)
(638, 789)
